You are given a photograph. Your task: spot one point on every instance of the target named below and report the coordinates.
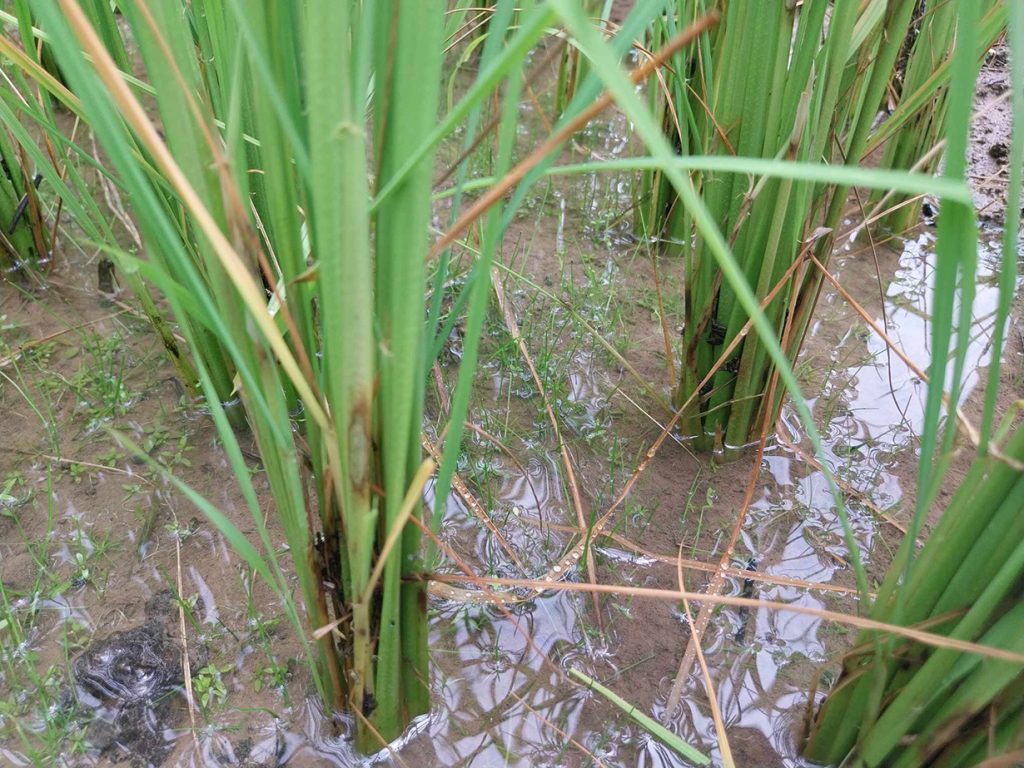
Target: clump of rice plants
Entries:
(911, 136)
(29, 222)
(898, 703)
(251, 155)
(277, 161)
(786, 82)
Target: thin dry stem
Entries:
(590, 755)
(567, 463)
(969, 429)
(717, 583)
(474, 505)
(926, 638)
(186, 666)
(516, 624)
(709, 685)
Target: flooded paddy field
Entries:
(120, 602)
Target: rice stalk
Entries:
(826, 68)
(23, 237)
(281, 185)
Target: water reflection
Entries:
(500, 690)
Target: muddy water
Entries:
(116, 537)
(91, 539)
(764, 661)
(870, 410)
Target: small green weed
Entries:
(209, 688)
(276, 676)
(99, 384)
(14, 493)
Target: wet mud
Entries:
(130, 683)
(989, 148)
(124, 550)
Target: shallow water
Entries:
(502, 697)
(117, 536)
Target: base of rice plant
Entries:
(277, 161)
(288, 289)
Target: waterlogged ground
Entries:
(114, 588)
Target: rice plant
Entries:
(898, 704)
(785, 81)
(30, 225)
(277, 160)
(250, 156)
(912, 133)
(17, 189)
(24, 238)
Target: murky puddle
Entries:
(871, 411)
(506, 705)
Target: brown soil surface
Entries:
(989, 151)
